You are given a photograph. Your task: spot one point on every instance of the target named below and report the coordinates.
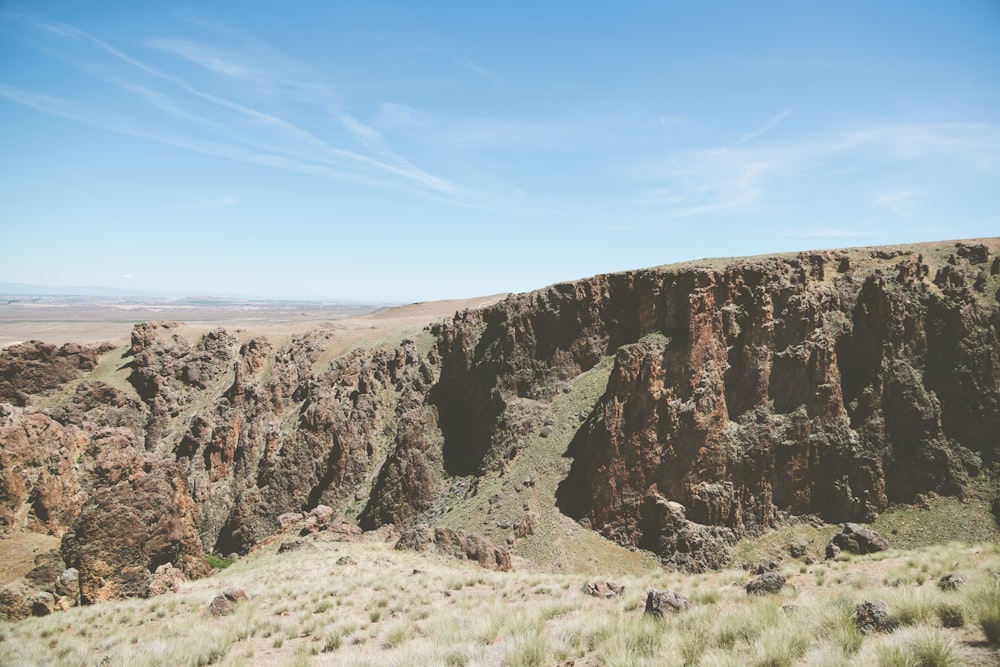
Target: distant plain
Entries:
(69, 319)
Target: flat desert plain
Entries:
(60, 319)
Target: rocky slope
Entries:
(737, 394)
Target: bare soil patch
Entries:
(18, 551)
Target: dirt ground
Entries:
(18, 551)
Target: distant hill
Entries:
(22, 289)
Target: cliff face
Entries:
(780, 391)
(739, 394)
(272, 430)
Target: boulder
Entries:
(15, 601)
(49, 567)
(226, 602)
(296, 545)
(19, 600)
(857, 540)
(976, 253)
(950, 582)
(456, 543)
(322, 513)
(604, 589)
(68, 584)
(166, 579)
(874, 617)
(662, 603)
(766, 583)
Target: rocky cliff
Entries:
(739, 393)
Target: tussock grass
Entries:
(380, 612)
(920, 647)
(984, 601)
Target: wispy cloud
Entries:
(750, 136)
(284, 145)
(477, 69)
(205, 58)
(108, 120)
(400, 115)
(755, 172)
(162, 102)
(897, 201)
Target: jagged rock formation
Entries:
(739, 393)
(857, 540)
(35, 367)
(458, 544)
(48, 586)
(776, 387)
(128, 529)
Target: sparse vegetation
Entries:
(218, 562)
(985, 601)
(453, 613)
(401, 608)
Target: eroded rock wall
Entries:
(740, 393)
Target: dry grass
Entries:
(401, 608)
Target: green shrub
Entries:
(218, 562)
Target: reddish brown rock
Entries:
(300, 437)
(19, 600)
(458, 544)
(226, 602)
(40, 475)
(96, 404)
(413, 474)
(740, 394)
(166, 579)
(126, 530)
(48, 586)
(48, 569)
(36, 367)
(751, 394)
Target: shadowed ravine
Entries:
(738, 394)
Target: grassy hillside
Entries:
(366, 604)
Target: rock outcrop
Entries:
(665, 603)
(36, 367)
(128, 529)
(766, 583)
(458, 544)
(225, 603)
(738, 395)
(856, 540)
(47, 587)
(776, 388)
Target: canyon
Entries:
(670, 411)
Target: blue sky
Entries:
(414, 151)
